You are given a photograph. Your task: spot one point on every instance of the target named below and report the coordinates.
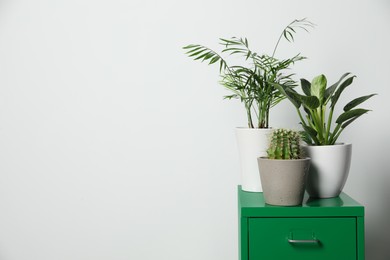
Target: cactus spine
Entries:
(284, 145)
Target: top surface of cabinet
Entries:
(251, 204)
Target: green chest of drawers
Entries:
(320, 229)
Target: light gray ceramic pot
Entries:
(329, 169)
(283, 181)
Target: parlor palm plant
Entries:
(254, 84)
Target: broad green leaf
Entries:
(318, 86)
(306, 87)
(356, 102)
(311, 132)
(306, 137)
(341, 88)
(329, 91)
(307, 111)
(293, 96)
(290, 94)
(351, 114)
(349, 122)
(310, 102)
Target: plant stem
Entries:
(316, 124)
(335, 134)
(267, 116)
(329, 123)
(249, 115)
(280, 37)
(300, 116)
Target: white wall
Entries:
(115, 145)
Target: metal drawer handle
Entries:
(305, 241)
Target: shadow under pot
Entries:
(329, 169)
(283, 181)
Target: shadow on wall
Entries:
(378, 226)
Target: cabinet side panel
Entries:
(243, 238)
(360, 238)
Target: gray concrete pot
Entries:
(283, 181)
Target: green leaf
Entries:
(291, 36)
(194, 49)
(191, 46)
(229, 42)
(356, 102)
(230, 96)
(233, 49)
(201, 56)
(214, 60)
(294, 97)
(307, 111)
(306, 137)
(191, 54)
(351, 114)
(310, 132)
(329, 91)
(222, 65)
(318, 86)
(306, 87)
(341, 88)
(310, 102)
(248, 54)
(208, 56)
(291, 94)
(349, 122)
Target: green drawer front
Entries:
(269, 238)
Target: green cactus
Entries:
(284, 145)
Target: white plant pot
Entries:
(252, 143)
(329, 169)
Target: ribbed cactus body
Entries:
(284, 145)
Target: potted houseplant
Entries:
(283, 172)
(254, 85)
(330, 160)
